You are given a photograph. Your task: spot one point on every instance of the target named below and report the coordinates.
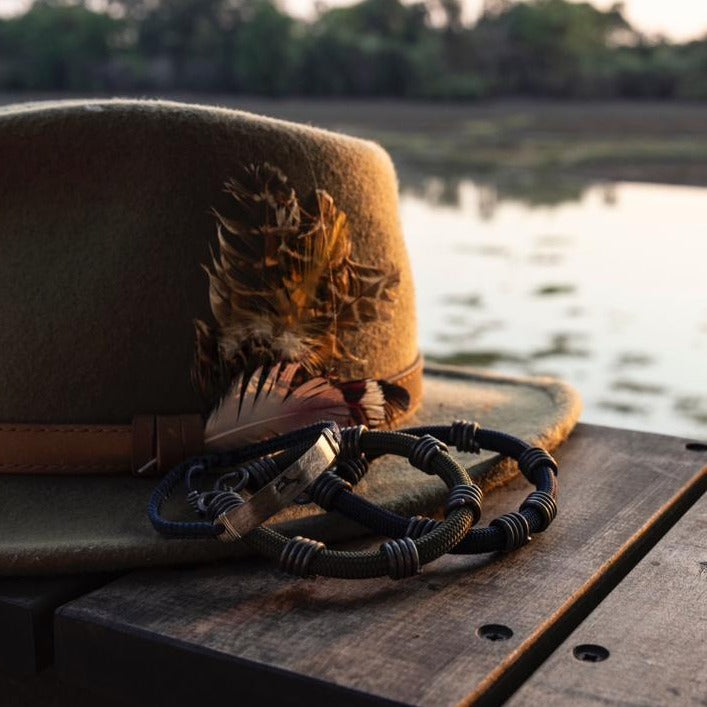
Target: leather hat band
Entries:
(118, 449)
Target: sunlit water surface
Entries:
(608, 292)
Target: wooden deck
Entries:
(620, 575)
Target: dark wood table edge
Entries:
(28, 619)
(510, 675)
(188, 665)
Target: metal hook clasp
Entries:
(282, 490)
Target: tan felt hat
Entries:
(177, 277)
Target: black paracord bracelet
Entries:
(505, 533)
(398, 558)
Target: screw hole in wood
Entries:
(590, 653)
(494, 632)
(696, 447)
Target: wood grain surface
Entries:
(654, 627)
(249, 633)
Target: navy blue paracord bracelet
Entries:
(294, 442)
(505, 533)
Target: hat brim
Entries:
(63, 524)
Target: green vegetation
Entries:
(549, 48)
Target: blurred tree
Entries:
(421, 48)
(187, 43)
(376, 47)
(266, 52)
(55, 45)
(547, 47)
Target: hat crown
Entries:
(106, 223)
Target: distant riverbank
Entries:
(629, 141)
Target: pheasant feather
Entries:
(271, 403)
(283, 287)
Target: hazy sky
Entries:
(677, 19)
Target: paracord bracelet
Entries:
(505, 533)
(290, 446)
(398, 558)
(508, 532)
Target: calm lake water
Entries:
(607, 290)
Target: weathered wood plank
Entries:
(248, 632)
(26, 618)
(654, 626)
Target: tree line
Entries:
(544, 48)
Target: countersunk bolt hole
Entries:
(696, 447)
(590, 653)
(494, 632)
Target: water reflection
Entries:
(563, 345)
(443, 185)
(601, 285)
(556, 289)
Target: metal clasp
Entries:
(282, 490)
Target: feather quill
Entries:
(272, 402)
